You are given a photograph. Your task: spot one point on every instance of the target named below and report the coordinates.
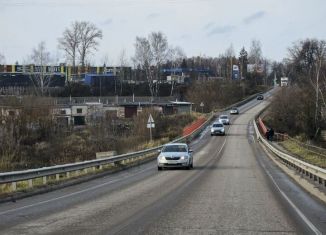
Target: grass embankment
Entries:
(304, 154)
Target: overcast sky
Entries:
(200, 27)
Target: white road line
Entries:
(225, 139)
(297, 210)
(71, 194)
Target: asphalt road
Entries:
(233, 189)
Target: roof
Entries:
(217, 122)
(176, 144)
(181, 103)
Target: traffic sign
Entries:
(150, 125)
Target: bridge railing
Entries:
(314, 172)
(94, 165)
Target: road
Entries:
(233, 189)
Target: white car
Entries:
(224, 119)
(217, 129)
(234, 110)
(175, 155)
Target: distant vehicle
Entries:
(175, 155)
(234, 110)
(217, 129)
(224, 119)
(260, 97)
(284, 81)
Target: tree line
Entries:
(301, 108)
(152, 53)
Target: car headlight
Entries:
(184, 157)
(222, 130)
(212, 130)
(161, 157)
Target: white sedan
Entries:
(175, 155)
(224, 119)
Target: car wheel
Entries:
(192, 165)
(159, 168)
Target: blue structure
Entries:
(186, 70)
(97, 80)
(235, 72)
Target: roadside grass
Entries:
(304, 154)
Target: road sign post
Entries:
(202, 107)
(150, 125)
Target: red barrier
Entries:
(262, 126)
(193, 126)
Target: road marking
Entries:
(297, 210)
(72, 194)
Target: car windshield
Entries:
(217, 125)
(223, 117)
(174, 148)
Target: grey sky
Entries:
(200, 27)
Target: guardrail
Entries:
(92, 165)
(313, 172)
(86, 166)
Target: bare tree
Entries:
(229, 54)
(2, 59)
(144, 58)
(176, 55)
(40, 77)
(160, 49)
(308, 70)
(255, 53)
(243, 60)
(150, 54)
(123, 62)
(89, 35)
(106, 59)
(70, 41)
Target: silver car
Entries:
(217, 129)
(234, 110)
(175, 155)
(224, 119)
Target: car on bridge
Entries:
(234, 110)
(224, 119)
(175, 155)
(217, 129)
(260, 97)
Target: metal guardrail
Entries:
(28, 175)
(314, 172)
